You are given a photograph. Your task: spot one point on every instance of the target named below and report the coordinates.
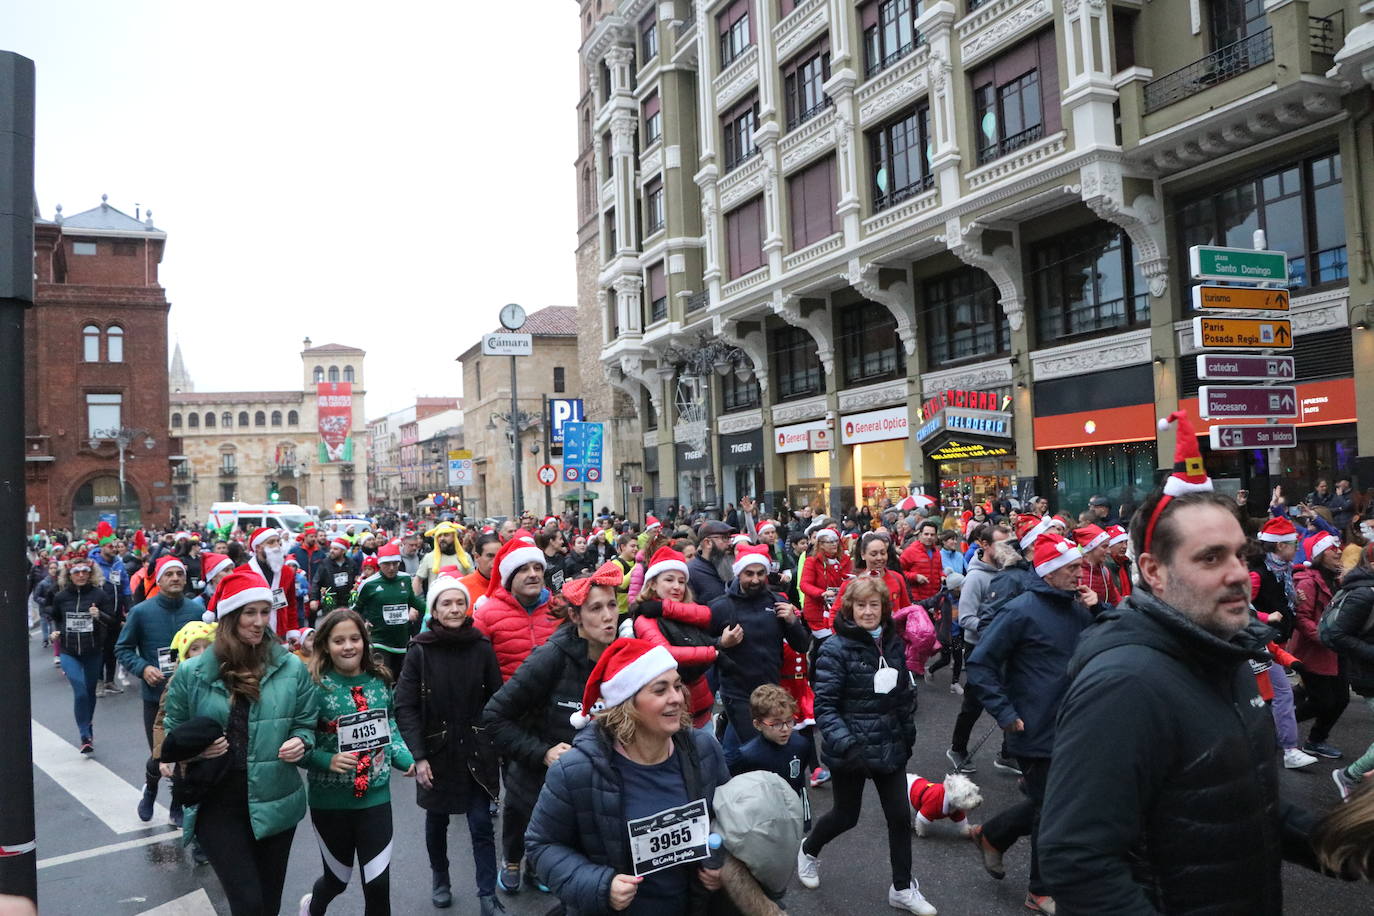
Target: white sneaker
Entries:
(956, 688)
(808, 868)
(305, 905)
(1294, 758)
(910, 900)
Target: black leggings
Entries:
(953, 652)
(1323, 699)
(848, 791)
(365, 832)
(515, 820)
(252, 871)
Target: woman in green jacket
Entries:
(267, 705)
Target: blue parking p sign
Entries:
(561, 411)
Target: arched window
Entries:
(90, 343)
(243, 418)
(259, 419)
(348, 374)
(176, 421)
(276, 418)
(114, 344)
(209, 419)
(588, 200)
(226, 420)
(292, 418)
(193, 420)
(333, 373)
(319, 374)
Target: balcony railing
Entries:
(228, 470)
(698, 301)
(1221, 65)
(920, 185)
(739, 160)
(878, 65)
(688, 23)
(1325, 32)
(1010, 144)
(804, 116)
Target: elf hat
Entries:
(665, 559)
(650, 523)
(212, 564)
(1116, 534)
(449, 578)
(746, 556)
(1278, 531)
(389, 553)
(262, 536)
(166, 563)
(1190, 476)
(625, 667)
(1318, 544)
(1053, 552)
(1090, 537)
(240, 587)
(517, 552)
(1029, 528)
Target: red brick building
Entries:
(96, 365)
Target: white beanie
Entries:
(442, 584)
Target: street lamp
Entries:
(697, 363)
(123, 437)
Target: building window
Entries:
(176, 421)
(899, 158)
(560, 382)
(889, 28)
(114, 344)
(588, 190)
(804, 83)
(346, 489)
(1086, 282)
(612, 245)
(226, 420)
(657, 288)
(478, 374)
(333, 373)
(1300, 208)
(868, 337)
(319, 375)
(738, 126)
(85, 248)
(276, 418)
(348, 374)
(1229, 21)
(293, 418)
(193, 421)
(648, 38)
(744, 238)
(653, 206)
(607, 154)
(965, 318)
(739, 395)
(90, 343)
(797, 366)
(228, 462)
(103, 415)
(1016, 98)
(226, 492)
(209, 419)
(653, 120)
(811, 200)
(647, 412)
(259, 419)
(736, 30)
(243, 418)
(1123, 38)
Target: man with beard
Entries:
(333, 580)
(765, 620)
(447, 552)
(710, 569)
(1163, 795)
(269, 561)
(144, 649)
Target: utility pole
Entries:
(18, 849)
(517, 497)
(548, 453)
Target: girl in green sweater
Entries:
(349, 771)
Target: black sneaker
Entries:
(1008, 764)
(88, 746)
(962, 763)
(1322, 749)
(508, 878)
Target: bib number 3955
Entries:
(671, 837)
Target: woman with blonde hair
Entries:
(83, 613)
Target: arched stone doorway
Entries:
(288, 495)
(99, 499)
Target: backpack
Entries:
(1326, 627)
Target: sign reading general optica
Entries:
(874, 426)
(794, 438)
(1209, 262)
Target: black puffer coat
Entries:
(73, 600)
(1352, 632)
(530, 713)
(1163, 796)
(862, 731)
(447, 678)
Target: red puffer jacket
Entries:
(819, 574)
(514, 632)
(694, 615)
(925, 561)
(1314, 594)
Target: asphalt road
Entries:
(131, 868)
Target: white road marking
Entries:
(196, 903)
(164, 837)
(102, 792)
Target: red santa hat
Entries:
(650, 523)
(292, 561)
(450, 577)
(624, 668)
(340, 543)
(827, 534)
(104, 533)
(516, 552)
(665, 559)
(166, 563)
(262, 536)
(212, 564)
(1116, 534)
(766, 525)
(389, 552)
(549, 520)
(1053, 553)
(1278, 531)
(755, 555)
(1090, 537)
(1029, 528)
(1318, 544)
(240, 587)
(370, 562)
(1189, 476)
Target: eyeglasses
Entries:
(780, 726)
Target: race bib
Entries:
(671, 837)
(340, 579)
(1259, 667)
(393, 614)
(363, 731)
(166, 660)
(278, 599)
(80, 623)
(114, 577)
(197, 584)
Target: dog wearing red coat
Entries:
(933, 801)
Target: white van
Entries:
(248, 517)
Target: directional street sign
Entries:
(1245, 368)
(1240, 297)
(582, 451)
(1240, 265)
(1238, 437)
(1243, 333)
(1227, 402)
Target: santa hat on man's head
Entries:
(1278, 531)
(665, 559)
(1053, 553)
(166, 563)
(740, 540)
(766, 525)
(1029, 528)
(1189, 476)
(340, 543)
(1090, 537)
(389, 552)
(262, 536)
(212, 564)
(747, 555)
(240, 587)
(1318, 544)
(1116, 534)
(624, 668)
(650, 523)
(515, 553)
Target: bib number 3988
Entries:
(671, 837)
(363, 731)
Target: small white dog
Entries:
(952, 799)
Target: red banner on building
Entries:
(334, 405)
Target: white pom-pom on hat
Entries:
(1163, 423)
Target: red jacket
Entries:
(895, 587)
(1099, 579)
(696, 615)
(1314, 594)
(514, 632)
(920, 560)
(818, 574)
(287, 618)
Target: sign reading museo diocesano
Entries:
(874, 426)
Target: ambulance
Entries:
(247, 517)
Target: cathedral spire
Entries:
(178, 379)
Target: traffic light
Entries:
(272, 493)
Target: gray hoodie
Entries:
(976, 581)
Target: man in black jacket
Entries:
(1352, 635)
(1163, 795)
(713, 554)
(334, 578)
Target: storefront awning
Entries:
(579, 495)
(954, 447)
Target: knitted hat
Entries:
(166, 563)
(262, 536)
(516, 552)
(212, 564)
(1190, 476)
(1278, 531)
(626, 666)
(665, 559)
(1053, 552)
(747, 556)
(449, 578)
(609, 575)
(1090, 537)
(1318, 544)
(389, 552)
(650, 523)
(191, 632)
(1029, 528)
(1116, 534)
(240, 587)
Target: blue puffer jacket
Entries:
(863, 731)
(577, 839)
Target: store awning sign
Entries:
(958, 397)
(982, 422)
(874, 426)
(965, 450)
(795, 438)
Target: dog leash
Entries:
(981, 741)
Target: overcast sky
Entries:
(380, 175)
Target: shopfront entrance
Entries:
(878, 439)
(806, 473)
(967, 436)
(693, 465)
(98, 500)
(741, 460)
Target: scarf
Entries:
(1284, 573)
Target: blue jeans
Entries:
(83, 672)
(480, 831)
